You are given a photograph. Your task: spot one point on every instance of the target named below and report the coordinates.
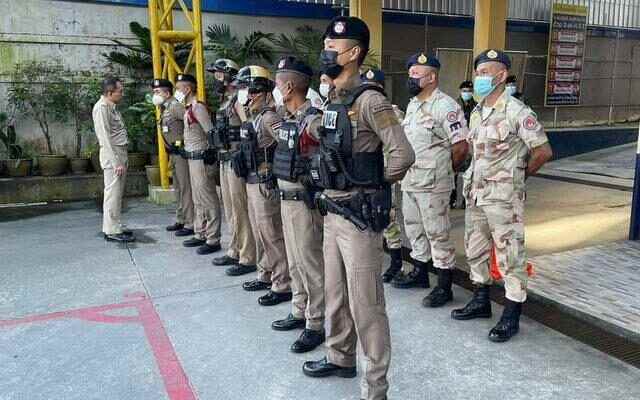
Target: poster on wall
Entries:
(567, 37)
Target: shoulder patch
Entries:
(452, 116)
(380, 107)
(530, 123)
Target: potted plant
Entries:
(39, 91)
(140, 120)
(19, 162)
(93, 151)
(84, 95)
(80, 165)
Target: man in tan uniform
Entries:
(112, 138)
(393, 233)
(301, 220)
(437, 131)
(241, 255)
(508, 144)
(357, 125)
(254, 162)
(172, 126)
(197, 124)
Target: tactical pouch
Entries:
(380, 204)
(238, 165)
(210, 156)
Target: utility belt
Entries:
(225, 156)
(209, 156)
(364, 210)
(299, 195)
(268, 179)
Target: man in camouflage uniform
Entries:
(197, 125)
(172, 125)
(393, 233)
(508, 144)
(241, 255)
(437, 130)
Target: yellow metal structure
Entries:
(163, 40)
(371, 13)
(490, 25)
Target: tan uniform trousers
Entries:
(234, 197)
(205, 201)
(393, 232)
(303, 240)
(114, 187)
(182, 186)
(266, 222)
(427, 224)
(502, 225)
(355, 304)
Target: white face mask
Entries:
(179, 96)
(511, 90)
(243, 96)
(278, 97)
(157, 100)
(324, 89)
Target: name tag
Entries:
(165, 129)
(330, 119)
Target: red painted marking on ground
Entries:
(176, 382)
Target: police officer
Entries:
(241, 255)
(197, 124)
(172, 125)
(357, 125)
(512, 87)
(301, 220)
(113, 140)
(254, 162)
(437, 130)
(508, 144)
(467, 102)
(393, 233)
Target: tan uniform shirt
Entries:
(173, 121)
(432, 127)
(266, 123)
(110, 130)
(231, 111)
(374, 122)
(501, 140)
(197, 122)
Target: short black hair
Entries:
(511, 79)
(110, 84)
(466, 85)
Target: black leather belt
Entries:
(193, 155)
(225, 156)
(292, 195)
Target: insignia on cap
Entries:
(339, 27)
(180, 77)
(370, 74)
(422, 59)
(157, 82)
(492, 54)
(281, 64)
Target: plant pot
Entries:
(80, 165)
(19, 168)
(153, 174)
(3, 167)
(137, 161)
(95, 162)
(52, 164)
(154, 159)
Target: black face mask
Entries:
(329, 63)
(413, 84)
(219, 87)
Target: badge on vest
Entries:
(330, 119)
(244, 133)
(165, 129)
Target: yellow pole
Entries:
(490, 25)
(199, 50)
(154, 27)
(371, 13)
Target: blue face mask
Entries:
(466, 96)
(511, 90)
(483, 86)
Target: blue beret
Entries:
(373, 75)
(348, 28)
(186, 78)
(422, 59)
(292, 64)
(492, 55)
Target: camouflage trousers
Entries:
(426, 222)
(500, 225)
(393, 232)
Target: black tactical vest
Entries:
(337, 166)
(288, 163)
(224, 134)
(252, 154)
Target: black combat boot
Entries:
(441, 294)
(418, 278)
(394, 266)
(509, 323)
(478, 307)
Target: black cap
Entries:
(373, 75)
(492, 55)
(511, 79)
(348, 28)
(186, 78)
(466, 85)
(162, 83)
(423, 59)
(292, 64)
